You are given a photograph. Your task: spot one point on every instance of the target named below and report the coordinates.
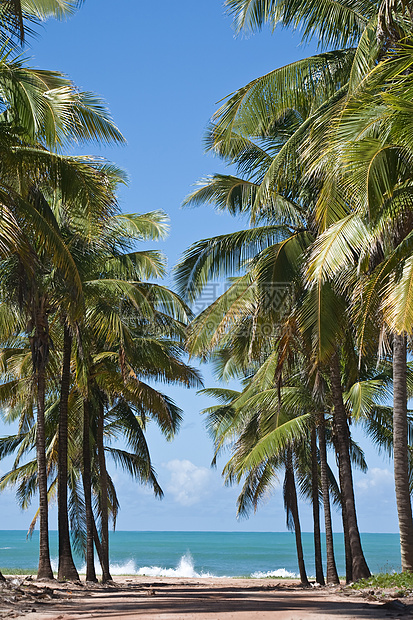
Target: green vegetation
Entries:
(402, 581)
(18, 571)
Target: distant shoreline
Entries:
(241, 532)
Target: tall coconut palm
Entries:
(315, 500)
(145, 325)
(66, 568)
(121, 421)
(346, 24)
(288, 207)
(123, 312)
(237, 330)
(245, 115)
(32, 290)
(38, 109)
(377, 221)
(235, 424)
(46, 110)
(237, 432)
(331, 572)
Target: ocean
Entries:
(203, 554)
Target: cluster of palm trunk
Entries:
(82, 330)
(317, 317)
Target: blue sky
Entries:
(162, 67)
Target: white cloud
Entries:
(376, 478)
(188, 483)
(376, 501)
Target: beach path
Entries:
(157, 598)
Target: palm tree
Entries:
(66, 568)
(116, 299)
(384, 168)
(236, 328)
(388, 24)
(121, 421)
(290, 212)
(31, 289)
(16, 14)
(331, 574)
(146, 318)
(239, 431)
(315, 500)
(245, 116)
(48, 122)
(38, 109)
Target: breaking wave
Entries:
(185, 568)
(280, 572)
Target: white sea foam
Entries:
(128, 568)
(185, 568)
(280, 572)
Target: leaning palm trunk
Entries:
(291, 505)
(103, 497)
(39, 343)
(360, 568)
(332, 575)
(400, 451)
(87, 491)
(67, 568)
(316, 509)
(97, 542)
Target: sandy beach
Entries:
(192, 599)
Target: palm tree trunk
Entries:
(360, 568)
(67, 568)
(319, 575)
(103, 497)
(87, 491)
(347, 546)
(400, 451)
(290, 498)
(38, 328)
(332, 575)
(45, 568)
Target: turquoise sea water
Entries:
(192, 554)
